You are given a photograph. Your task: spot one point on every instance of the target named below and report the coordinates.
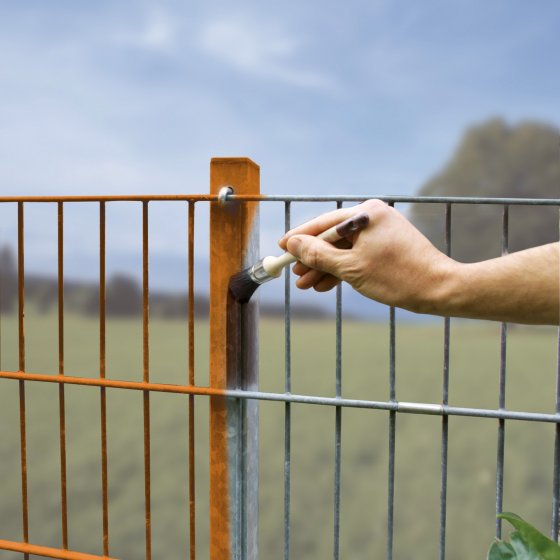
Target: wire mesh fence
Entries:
(233, 393)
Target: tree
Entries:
(124, 296)
(496, 160)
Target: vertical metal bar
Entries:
(288, 390)
(102, 371)
(338, 419)
(1, 307)
(192, 486)
(392, 435)
(445, 401)
(61, 395)
(556, 472)
(502, 394)
(146, 378)
(60, 288)
(102, 291)
(233, 363)
(21, 349)
(21, 259)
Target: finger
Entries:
(319, 224)
(299, 269)
(325, 221)
(318, 254)
(310, 279)
(328, 282)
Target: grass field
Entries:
(472, 446)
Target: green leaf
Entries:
(528, 542)
(501, 550)
(523, 551)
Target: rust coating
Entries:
(21, 342)
(21, 330)
(191, 381)
(231, 226)
(61, 395)
(102, 365)
(47, 552)
(112, 198)
(146, 378)
(113, 383)
(102, 290)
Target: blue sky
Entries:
(122, 96)
(135, 96)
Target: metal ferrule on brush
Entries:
(270, 267)
(258, 274)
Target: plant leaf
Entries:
(529, 540)
(523, 551)
(501, 550)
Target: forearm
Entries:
(522, 287)
(393, 263)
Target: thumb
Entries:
(317, 254)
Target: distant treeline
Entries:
(123, 295)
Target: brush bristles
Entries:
(242, 286)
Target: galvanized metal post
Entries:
(233, 365)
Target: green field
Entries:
(474, 371)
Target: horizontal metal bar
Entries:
(402, 199)
(404, 407)
(48, 552)
(287, 198)
(117, 384)
(114, 198)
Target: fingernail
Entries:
(294, 246)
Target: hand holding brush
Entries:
(243, 284)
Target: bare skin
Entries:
(392, 262)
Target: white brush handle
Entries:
(274, 265)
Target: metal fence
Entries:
(233, 392)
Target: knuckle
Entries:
(376, 208)
(373, 204)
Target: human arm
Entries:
(392, 262)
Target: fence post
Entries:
(233, 364)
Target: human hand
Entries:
(389, 261)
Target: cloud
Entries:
(261, 50)
(158, 32)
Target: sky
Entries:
(355, 97)
(361, 96)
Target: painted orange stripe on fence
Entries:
(48, 552)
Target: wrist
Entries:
(442, 296)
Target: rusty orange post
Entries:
(233, 364)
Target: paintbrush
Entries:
(243, 284)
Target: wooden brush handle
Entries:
(331, 235)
